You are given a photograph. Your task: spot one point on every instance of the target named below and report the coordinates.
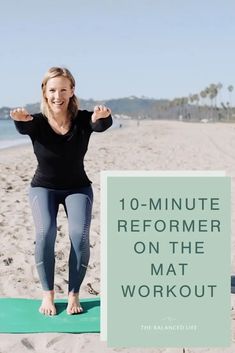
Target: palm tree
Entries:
(213, 91)
(181, 103)
(184, 103)
(206, 94)
(219, 86)
(230, 89)
(203, 95)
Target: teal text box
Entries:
(168, 261)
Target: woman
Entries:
(60, 136)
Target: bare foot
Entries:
(74, 306)
(48, 307)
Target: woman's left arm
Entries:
(101, 118)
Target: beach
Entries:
(147, 145)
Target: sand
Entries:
(152, 145)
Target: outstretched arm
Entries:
(20, 114)
(23, 121)
(101, 118)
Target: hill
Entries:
(146, 108)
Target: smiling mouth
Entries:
(58, 103)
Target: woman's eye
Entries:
(51, 90)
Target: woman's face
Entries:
(58, 93)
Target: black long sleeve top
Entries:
(61, 157)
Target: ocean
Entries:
(9, 136)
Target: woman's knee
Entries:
(46, 232)
(77, 235)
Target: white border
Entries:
(103, 223)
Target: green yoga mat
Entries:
(19, 315)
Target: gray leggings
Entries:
(78, 205)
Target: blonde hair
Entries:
(56, 72)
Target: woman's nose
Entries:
(57, 94)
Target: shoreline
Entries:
(21, 140)
(21, 146)
(15, 139)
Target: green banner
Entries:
(168, 261)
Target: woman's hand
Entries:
(20, 114)
(100, 112)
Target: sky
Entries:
(117, 48)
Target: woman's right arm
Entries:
(23, 121)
